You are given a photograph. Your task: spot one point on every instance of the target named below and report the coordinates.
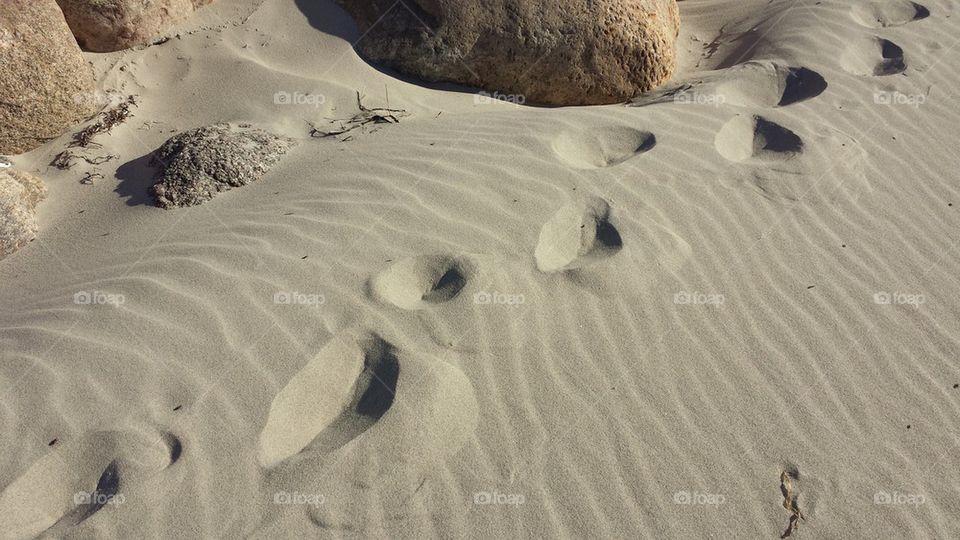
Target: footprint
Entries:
(760, 83)
(419, 282)
(832, 166)
(885, 13)
(597, 148)
(578, 235)
(398, 460)
(76, 479)
(337, 396)
(747, 137)
(873, 56)
(338, 429)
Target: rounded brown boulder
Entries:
(112, 25)
(551, 52)
(46, 86)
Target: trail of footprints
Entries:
(352, 382)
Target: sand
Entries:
(728, 309)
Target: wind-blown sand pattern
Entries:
(727, 308)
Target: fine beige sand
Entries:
(727, 309)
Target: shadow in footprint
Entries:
(447, 287)
(776, 138)
(380, 373)
(802, 84)
(892, 59)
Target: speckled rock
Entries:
(112, 25)
(555, 52)
(44, 80)
(19, 195)
(197, 164)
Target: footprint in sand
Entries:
(885, 13)
(598, 148)
(578, 235)
(780, 165)
(395, 415)
(760, 83)
(79, 478)
(419, 282)
(873, 56)
(746, 137)
(587, 243)
(337, 396)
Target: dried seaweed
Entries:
(106, 121)
(364, 117)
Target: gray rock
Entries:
(555, 52)
(19, 195)
(197, 164)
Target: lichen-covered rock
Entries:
(43, 77)
(555, 52)
(19, 195)
(197, 164)
(112, 25)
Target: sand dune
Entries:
(726, 308)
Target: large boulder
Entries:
(554, 52)
(112, 25)
(19, 195)
(197, 164)
(43, 77)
